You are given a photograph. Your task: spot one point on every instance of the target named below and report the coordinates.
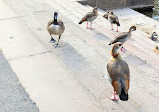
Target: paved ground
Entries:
(49, 83)
(13, 97)
(71, 78)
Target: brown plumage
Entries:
(89, 17)
(119, 74)
(106, 15)
(123, 37)
(112, 18)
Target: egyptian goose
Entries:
(90, 17)
(112, 18)
(55, 27)
(123, 37)
(156, 49)
(119, 74)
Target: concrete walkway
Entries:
(71, 78)
(13, 97)
(49, 83)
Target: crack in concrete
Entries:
(29, 55)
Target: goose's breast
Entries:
(54, 29)
(92, 18)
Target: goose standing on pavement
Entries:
(90, 17)
(55, 27)
(123, 37)
(119, 74)
(112, 18)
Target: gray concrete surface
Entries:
(13, 97)
(84, 53)
(49, 83)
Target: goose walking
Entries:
(123, 37)
(119, 74)
(113, 19)
(90, 17)
(55, 27)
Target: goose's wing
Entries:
(87, 16)
(113, 17)
(120, 38)
(119, 75)
(50, 22)
(60, 22)
(61, 25)
(114, 76)
(124, 76)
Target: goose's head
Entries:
(110, 12)
(132, 28)
(106, 15)
(95, 9)
(156, 47)
(117, 46)
(115, 49)
(55, 15)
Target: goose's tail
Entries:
(80, 22)
(118, 23)
(123, 96)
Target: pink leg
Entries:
(113, 97)
(87, 25)
(91, 26)
(123, 49)
(112, 27)
(117, 29)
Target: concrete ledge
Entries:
(114, 4)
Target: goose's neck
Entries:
(130, 30)
(55, 21)
(115, 55)
(95, 12)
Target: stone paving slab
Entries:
(6, 12)
(95, 84)
(51, 86)
(13, 96)
(48, 82)
(24, 40)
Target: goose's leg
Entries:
(112, 27)
(114, 96)
(117, 29)
(91, 26)
(52, 39)
(57, 45)
(123, 49)
(87, 25)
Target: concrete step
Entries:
(138, 40)
(137, 45)
(85, 54)
(49, 83)
(143, 48)
(125, 28)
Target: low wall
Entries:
(112, 4)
